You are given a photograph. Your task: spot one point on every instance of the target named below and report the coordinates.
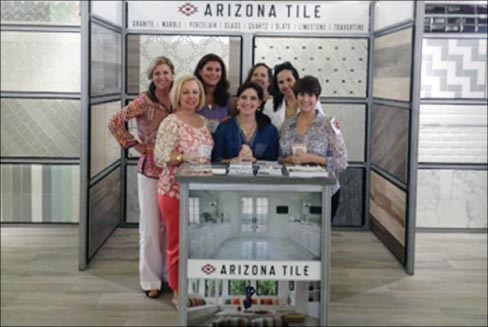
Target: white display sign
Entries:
(310, 17)
(262, 270)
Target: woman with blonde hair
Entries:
(149, 109)
(182, 137)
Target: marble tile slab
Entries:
(387, 212)
(104, 148)
(452, 198)
(106, 61)
(53, 58)
(352, 118)
(351, 205)
(454, 68)
(339, 64)
(389, 139)
(104, 210)
(184, 51)
(392, 65)
(453, 134)
(389, 13)
(39, 193)
(40, 128)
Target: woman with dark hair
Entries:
(284, 100)
(310, 138)
(262, 75)
(211, 71)
(249, 136)
(149, 109)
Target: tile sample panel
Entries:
(351, 211)
(40, 62)
(392, 65)
(132, 201)
(452, 198)
(40, 12)
(109, 10)
(389, 139)
(40, 193)
(339, 64)
(388, 13)
(454, 68)
(104, 210)
(104, 148)
(40, 128)
(184, 51)
(387, 212)
(106, 61)
(352, 118)
(453, 134)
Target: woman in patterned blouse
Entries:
(183, 136)
(310, 138)
(149, 109)
(211, 71)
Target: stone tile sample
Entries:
(104, 149)
(387, 213)
(452, 198)
(39, 193)
(388, 13)
(351, 204)
(41, 12)
(454, 68)
(453, 134)
(53, 58)
(103, 210)
(341, 65)
(389, 140)
(106, 61)
(132, 201)
(392, 65)
(352, 118)
(40, 128)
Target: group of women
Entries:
(195, 119)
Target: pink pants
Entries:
(170, 208)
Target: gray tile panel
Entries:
(132, 202)
(350, 211)
(392, 65)
(389, 139)
(40, 128)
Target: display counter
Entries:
(254, 250)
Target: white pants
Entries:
(152, 236)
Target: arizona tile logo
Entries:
(208, 269)
(188, 9)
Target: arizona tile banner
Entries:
(250, 16)
(262, 270)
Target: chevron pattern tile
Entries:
(40, 62)
(40, 12)
(454, 68)
(339, 64)
(40, 128)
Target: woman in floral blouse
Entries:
(149, 109)
(182, 137)
(309, 137)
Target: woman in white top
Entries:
(284, 100)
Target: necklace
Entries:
(248, 132)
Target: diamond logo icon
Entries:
(188, 9)
(208, 269)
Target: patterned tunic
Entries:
(149, 116)
(174, 135)
(320, 139)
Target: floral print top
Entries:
(148, 115)
(320, 139)
(174, 135)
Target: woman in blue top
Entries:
(249, 136)
(211, 71)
